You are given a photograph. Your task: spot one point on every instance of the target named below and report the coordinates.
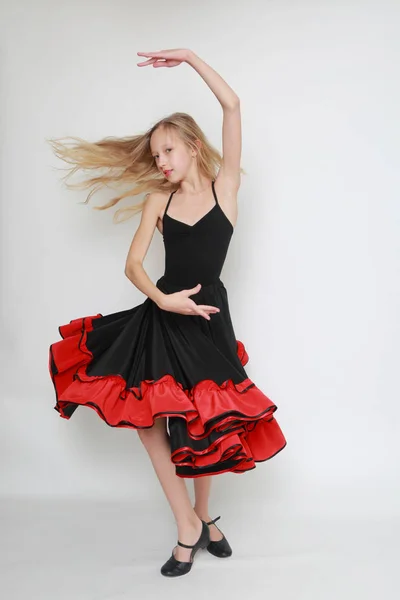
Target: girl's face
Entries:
(171, 155)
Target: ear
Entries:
(198, 144)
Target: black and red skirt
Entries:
(143, 363)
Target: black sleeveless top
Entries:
(196, 253)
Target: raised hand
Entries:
(179, 302)
(165, 58)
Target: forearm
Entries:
(138, 276)
(223, 92)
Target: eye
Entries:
(156, 155)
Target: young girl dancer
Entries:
(172, 368)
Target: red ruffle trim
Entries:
(240, 411)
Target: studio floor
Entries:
(70, 549)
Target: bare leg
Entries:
(156, 442)
(202, 486)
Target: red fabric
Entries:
(251, 432)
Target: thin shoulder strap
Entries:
(213, 189)
(168, 203)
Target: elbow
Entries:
(130, 268)
(233, 104)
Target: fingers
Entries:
(193, 290)
(147, 62)
(167, 63)
(152, 57)
(203, 311)
(212, 309)
(158, 62)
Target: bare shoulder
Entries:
(155, 199)
(152, 208)
(156, 202)
(227, 189)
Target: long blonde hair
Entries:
(128, 160)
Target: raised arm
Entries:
(231, 125)
(229, 100)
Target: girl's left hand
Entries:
(165, 58)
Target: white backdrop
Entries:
(313, 269)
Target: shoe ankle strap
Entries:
(185, 545)
(213, 521)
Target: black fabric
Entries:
(196, 253)
(147, 343)
(144, 362)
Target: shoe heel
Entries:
(203, 540)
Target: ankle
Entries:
(191, 522)
(202, 514)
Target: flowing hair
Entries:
(128, 160)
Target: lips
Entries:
(167, 173)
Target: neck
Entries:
(194, 185)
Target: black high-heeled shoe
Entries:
(174, 567)
(220, 548)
